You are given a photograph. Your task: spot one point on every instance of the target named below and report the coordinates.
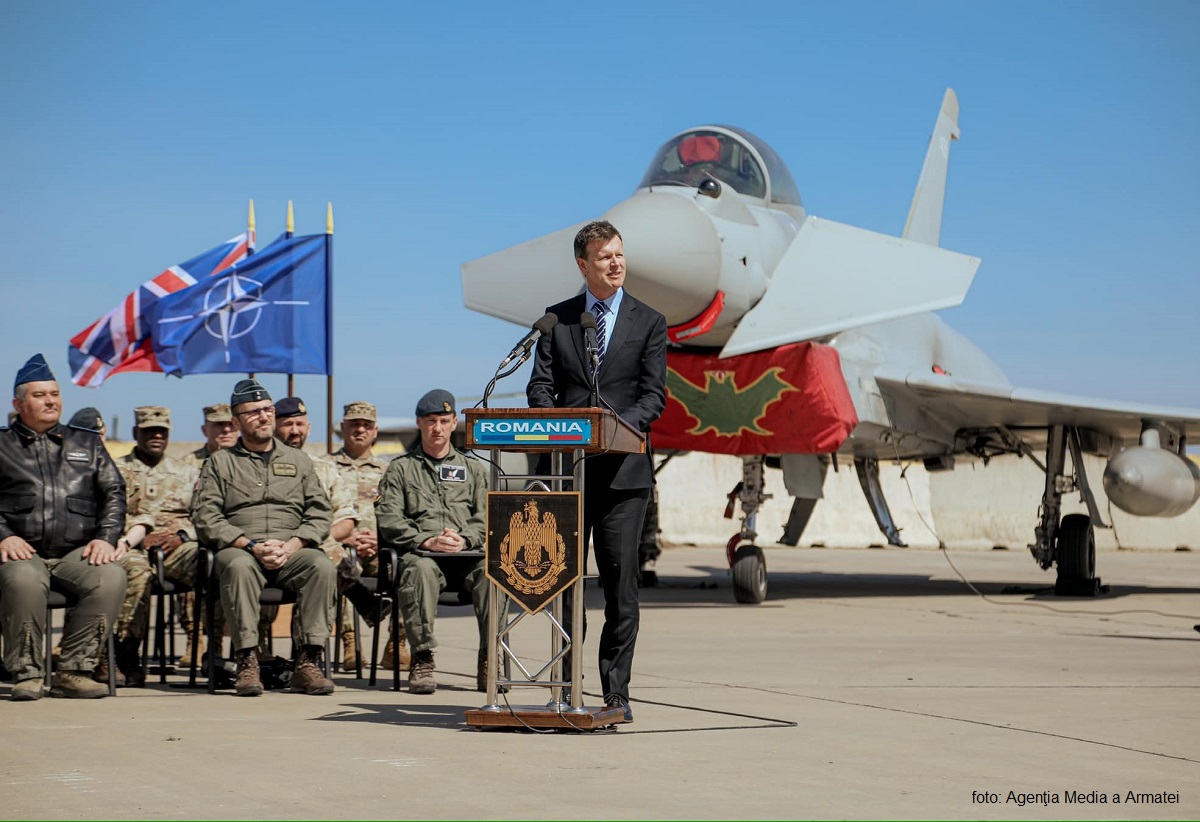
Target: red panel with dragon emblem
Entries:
(792, 399)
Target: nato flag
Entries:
(268, 313)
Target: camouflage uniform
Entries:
(196, 458)
(158, 497)
(219, 412)
(341, 500)
(361, 479)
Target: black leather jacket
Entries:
(58, 490)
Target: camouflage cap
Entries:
(152, 416)
(359, 411)
(436, 401)
(221, 412)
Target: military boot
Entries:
(481, 673)
(420, 675)
(399, 640)
(248, 682)
(307, 678)
(27, 690)
(129, 662)
(77, 685)
(191, 654)
(100, 674)
(349, 651)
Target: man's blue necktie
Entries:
(601, 313)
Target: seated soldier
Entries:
(433, 499)
(158, 491)
(261, 505)
(62, 508)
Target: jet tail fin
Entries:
(924, 223)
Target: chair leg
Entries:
(112, 663)
(358, 656)
(215, 644)
(337, 631)
(48, 659)
(396, 646)
(374, 654)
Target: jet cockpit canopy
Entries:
(732, 155)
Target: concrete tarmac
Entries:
(870, 684)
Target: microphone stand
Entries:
(501, 374)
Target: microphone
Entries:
(587, 321)
(522, 348)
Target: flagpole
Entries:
(291, 229)
(249, 245)
(329, 323)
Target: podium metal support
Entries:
(604, 432)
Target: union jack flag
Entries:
(120, 341)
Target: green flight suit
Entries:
(239, 494)
(418, 497)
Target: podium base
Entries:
(542, 718)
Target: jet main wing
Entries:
(834, 276)
(968, 404)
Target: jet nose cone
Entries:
(672, 251)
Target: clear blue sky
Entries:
(133, 135)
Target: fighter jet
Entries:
(799, 338)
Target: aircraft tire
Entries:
(749, 575)
(1076, 556)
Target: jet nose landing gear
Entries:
(746, 559)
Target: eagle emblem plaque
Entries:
(533, 544)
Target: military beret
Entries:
(290, 407)
(89, 418)
(35, 370)
(248, 391)
(152, 416)
(359, 411)
(218, 413)
(436, 401)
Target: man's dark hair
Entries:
(596, 230)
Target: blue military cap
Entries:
(248, 391)
(88, 418)
(290, 407)
(436, 401)
(35, 370)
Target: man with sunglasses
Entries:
(261, 505)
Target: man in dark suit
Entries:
(632, 343)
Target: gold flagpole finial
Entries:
(291, 219)
(250, 218)
(329, 218)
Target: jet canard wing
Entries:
(834, 276)
(517, 284)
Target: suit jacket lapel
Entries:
(577, 330)
(626, 317)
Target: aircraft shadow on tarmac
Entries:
(446, 717)
(716, 588)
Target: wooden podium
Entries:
(556, 432)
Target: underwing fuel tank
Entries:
(1152, 482)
